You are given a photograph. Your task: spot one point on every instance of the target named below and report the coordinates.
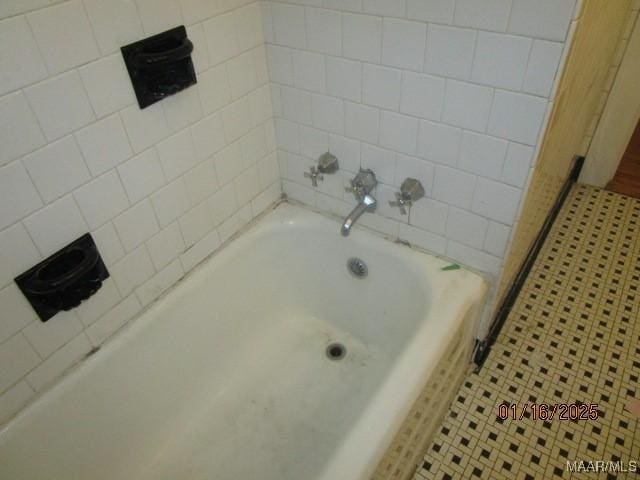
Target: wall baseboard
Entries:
(484, 346)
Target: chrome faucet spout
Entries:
(367, 203)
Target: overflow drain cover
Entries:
(357, 267)
(336, 351)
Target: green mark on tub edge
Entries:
(448, 268)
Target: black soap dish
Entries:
(65, 279)
(160, 65)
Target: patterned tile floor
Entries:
(573, 337)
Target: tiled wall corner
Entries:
(159, 189)
(452, 92)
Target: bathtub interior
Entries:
(232, 362)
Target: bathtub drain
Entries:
(336, 351)
(357, 267)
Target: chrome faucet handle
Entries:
(327, 163)
(314, 175)
(362, 183)
(411, 190)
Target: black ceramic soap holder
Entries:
(160, 65)
(65, 279)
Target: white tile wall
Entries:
(452, 92)
(79, 155)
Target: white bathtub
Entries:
(226, 377)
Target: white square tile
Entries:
(112, 321)
(420, 238)
(200, 54)
(516, 165)
(483, 14)
(266, 199)
(544, 18)
(115, 23)
(297, 166)
(183, 108)
(56, 225)
(17, 253)
(308, 71)
(136, 225)
(323, 30)
(177, 154)
(195, 224)
(344, 78)
(144, 127)
(57, 168)
(47, 337)
(233, 224)
(313, 142)
(201, 181)
(104, 144)
(280, 64)
(362, 122)
(387, 8)
(133, 270)
(482, 155)
(98, 304)
(381, 86)
(229, 163)
(260, 105)
(108, 243)
(296, 105)
(429, 214)
(438, 11)
(20, 61)
(260, 59)
(473, 258)
(501, 60)
(327, 113)
(299, 193)
(398, 132)
(249, 26)
(288, 135)
(268, 171)
(242, 74)
(361, 37)
(19, 129)
(222, 42)
(411, 167)
(214, 89)
(159, 283)
(542, 67)
(60, 104)
(159, 15)
(517, 117)
(142, 175)
(64, 35)
(381, 161)
(403, 43)
(288, 25)
(347, 151)
(497, 239)
(347, 5)
(247, 185)
(18, 196)
(8, 8)
(208, 136)
(170, 202)
(17, 358)
(496, 200)
(223, 204)
(102, 199)
(61, 360)
(16, 312)
(450, 51)
(14, 399)
(198, 10)
(453, 186)
(236, 119)
(466, 228)
(166, 246)
(422, 95)
(200, 251)
(108, 85)
(439, 143)
(467, 105)
(254, 146)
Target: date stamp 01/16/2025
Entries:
(548, 411)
